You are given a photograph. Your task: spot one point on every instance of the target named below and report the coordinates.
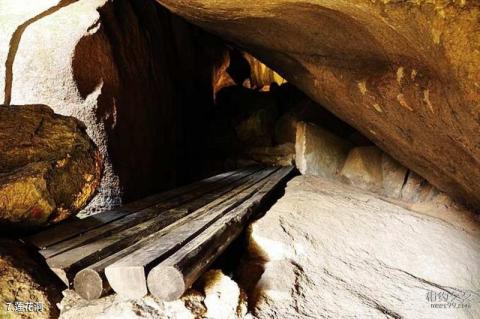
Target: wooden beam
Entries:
(90, 282)
(128, 275)
(66, 264)
(75, 227)
(169, 280)
(135, 218)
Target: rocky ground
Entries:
(215, 295)
(333, 251)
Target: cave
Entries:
(361, 117)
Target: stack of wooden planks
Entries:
(161, 244)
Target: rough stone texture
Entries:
(332, 251)
(215, 296)
(393, 175)
(113, 307)
(363, 168)
(279, 155)
(22, 281)
(132, 72)
(253, 114)
(404, 73)
(319, 152)
(223, 298)
(49, 167)
(286, 129)
(369, 168)
(257, 128)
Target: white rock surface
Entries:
(223, 297)
(114, 307)
(332, 251)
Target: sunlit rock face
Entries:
(128, 69)
(406, 74)
(329, 250)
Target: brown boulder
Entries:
(49, 167)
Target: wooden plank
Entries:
(135, 265)
(90, 282)
(66, 264)
(139, 217)
(75, 227)
(169, 280)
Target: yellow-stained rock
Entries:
(49, 167)
(25, 285)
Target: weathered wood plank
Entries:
(134, 266)
(140, 216)
(75, 227)
(66, 264)
(90, 282)
(170, 279)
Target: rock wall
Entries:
(405, 73)
(137, 76)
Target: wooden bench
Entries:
(160, 244)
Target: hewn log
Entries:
(136, 265)
(170, 279)
(66, 264)
(64, 231)
(128, 220)
(91, 284)
(49, 167)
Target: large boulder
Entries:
(49, 167)
(333, 251)
(132, 72)
(318, 152)
(404, 73)
(369, 168)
